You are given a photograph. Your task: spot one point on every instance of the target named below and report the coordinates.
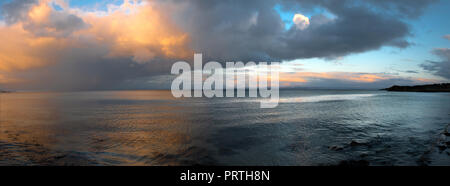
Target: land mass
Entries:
(444, 87)
(5, 91)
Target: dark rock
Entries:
(444, 87)
(336, 148)
(446, 133)
(442, 147)
(60, 156)
(355, 143)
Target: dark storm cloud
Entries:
(399, 8)
(353, 32)
(412, 72)
(407, 8)
(16, 10)
(60, 24)
(253, 30)
(88, 69)
(439, 68)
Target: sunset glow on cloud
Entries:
(301, 21)
(43, 36)
(129, 30)
(137, 30)
(309, 78)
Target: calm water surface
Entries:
(309, 127)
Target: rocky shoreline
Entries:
(444, 87)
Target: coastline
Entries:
(444, 87)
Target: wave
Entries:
(335, 97)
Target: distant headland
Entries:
(444, 87)
(4, 91)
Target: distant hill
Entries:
(444, 87)
(4, 91)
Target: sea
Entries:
(152, 128)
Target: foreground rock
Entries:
(445, 87)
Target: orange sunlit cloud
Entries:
(133, 30)
(295, 77)
(138, 30)
(287, 78)
(20, 50)
(302, 77)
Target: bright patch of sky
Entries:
(99, 5)
(287, 16)
(56, 7)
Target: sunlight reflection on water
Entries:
(153, 128)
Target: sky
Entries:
(132, 44)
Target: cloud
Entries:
(411, 72)
(346, 80)
(355, 27)
(345, 76)
(43, 20)
(139, 31)
(447, 36)
(39, 18)
(398, 8)
(21, 50)
(72, 48)
(439, 68)
(301, 21)
(403, 8)
(17, 10)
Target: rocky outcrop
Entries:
(444, 87)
